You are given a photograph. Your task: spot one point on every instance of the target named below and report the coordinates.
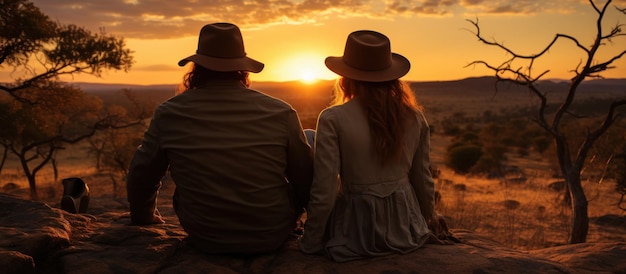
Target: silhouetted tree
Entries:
(43, 113)
(65, 115)
(571, 163)
(39, 49)
(114, 148)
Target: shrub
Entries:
(461, 158)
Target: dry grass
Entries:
(72, 162)
(522, 216)
(522, 212)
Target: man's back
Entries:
(228, 149)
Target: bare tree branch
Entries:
(594, 6)
(571, 168)
(103, 124)
(517, 55)
(591, 138)
(46, 155)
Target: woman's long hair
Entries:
(388, 106)
(199, 75)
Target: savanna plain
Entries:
(521, 207)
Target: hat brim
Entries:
(400, 66)
(224, 64)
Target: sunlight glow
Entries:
(307, 76)
(304, 67)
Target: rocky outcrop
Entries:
(37, 238)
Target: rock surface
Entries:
(37, 238)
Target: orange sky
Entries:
(292, 37)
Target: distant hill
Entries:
(99, 87)
(488, 84)
(439, 98)
(469, 86)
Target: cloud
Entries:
(492, 7)
(167, 19)
(158, 67)
(150, 19)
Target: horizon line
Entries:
(331, 80)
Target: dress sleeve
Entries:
(146, 170)
(420, 174)
(299, 161)
(325, 184)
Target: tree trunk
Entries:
(55, 168)
(114, 184)
(33, 187)
(4, 157)
(580, 219)
(579, 225)
(32, 183)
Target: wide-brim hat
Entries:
(220, 48)
(368, 57)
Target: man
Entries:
(239, 158)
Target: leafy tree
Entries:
(571, 156)
(119, 153)
(42, 113)
(39, 49)
(65, 115)
(107, 145)
(114, 148)
(4, 115)
(23, 30)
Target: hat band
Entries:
(373, 65)
(220, 56)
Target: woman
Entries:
(372, 192)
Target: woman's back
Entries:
(372, 189)
(377, 209)
(360, 163)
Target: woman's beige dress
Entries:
(359, 207)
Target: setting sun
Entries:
(304, 67)
(307, 76)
